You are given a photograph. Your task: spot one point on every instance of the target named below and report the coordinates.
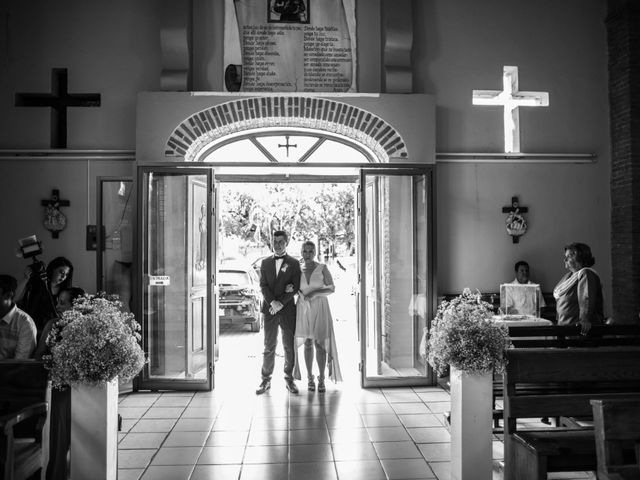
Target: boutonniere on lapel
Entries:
(284, 267)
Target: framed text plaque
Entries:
(290, 46)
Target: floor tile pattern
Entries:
(230, 433)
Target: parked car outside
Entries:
(256, 266)
(239, 295)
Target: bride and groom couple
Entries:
(306, 322)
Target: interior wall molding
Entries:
(65, 154)
(441, 157)
(483, 157)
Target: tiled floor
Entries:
(346, 433)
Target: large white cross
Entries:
(511, 99)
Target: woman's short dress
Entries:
(314, 320)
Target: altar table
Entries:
(521, 320)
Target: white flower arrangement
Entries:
(94, 343)
(463, 335)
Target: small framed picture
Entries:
(288, 11)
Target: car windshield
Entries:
(229, 277)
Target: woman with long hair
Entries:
(39, 296)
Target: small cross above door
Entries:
(287, 145)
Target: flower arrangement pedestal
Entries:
(471, 429)
(94, 432)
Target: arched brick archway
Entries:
(318, 114)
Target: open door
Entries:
(112, 239)
(396, 274)
(176, 295)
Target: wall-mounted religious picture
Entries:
(515, 221)
(288, 11)
(54, 220)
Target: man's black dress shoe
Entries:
(291, 386)
(264, 386)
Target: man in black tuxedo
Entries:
(279, 309)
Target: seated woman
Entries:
(65, 301)
(39, 293)
(578, 294)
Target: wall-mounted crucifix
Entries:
(511, 99)
(59, 100)
(287, 145)
(515, 222)
(54, 219)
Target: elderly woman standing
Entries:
(579, 293)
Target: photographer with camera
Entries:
(17, 330)
(41, 289)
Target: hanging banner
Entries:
(290, 46)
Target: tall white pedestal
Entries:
(471, 425)
(94, 432)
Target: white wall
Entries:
(559, 47)
(24, 183)
(113, 48)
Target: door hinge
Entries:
(359, 366)
(211, 368)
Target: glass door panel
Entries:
(114, 242)
(114, 238)
(396, 285)
(176, 278)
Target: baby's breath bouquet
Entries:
(94, 343)
(463, 335)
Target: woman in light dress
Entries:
(314, 323)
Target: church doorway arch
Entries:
(394, 222)
(197, 133)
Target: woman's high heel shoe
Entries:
(311, 385)
(321, 387)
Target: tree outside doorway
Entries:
(322, 212)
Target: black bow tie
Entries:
(279, 257)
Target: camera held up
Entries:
(31, 247)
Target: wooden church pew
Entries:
(23, 411)
(578, 375)
(617, 432)
(562, 336)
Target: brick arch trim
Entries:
(320, 114)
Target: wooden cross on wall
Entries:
(59, 100)
(515, 210)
